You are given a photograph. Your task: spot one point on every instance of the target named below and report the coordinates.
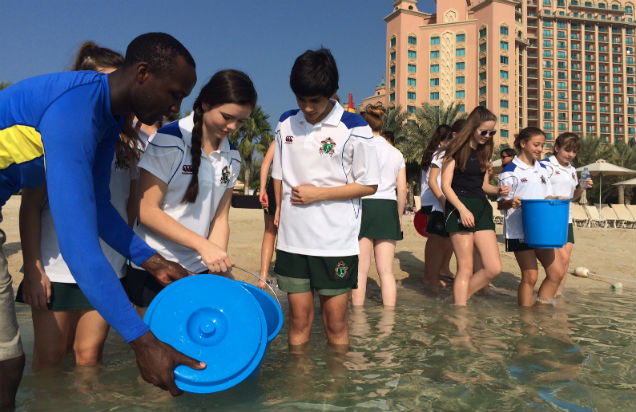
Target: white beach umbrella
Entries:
(621, 188)
(603, 168)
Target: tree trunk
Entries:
(248, 173)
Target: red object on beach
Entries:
(420, 221)
(350, 107)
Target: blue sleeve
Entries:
(70, 147)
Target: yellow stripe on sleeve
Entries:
(19, 144)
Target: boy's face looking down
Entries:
(315, 108)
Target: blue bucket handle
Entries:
(261, 279)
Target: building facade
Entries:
(561, 65)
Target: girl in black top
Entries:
(468, 212)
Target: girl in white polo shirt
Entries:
(565, 184)
(529, 179)
(186, 178)
(381, 224)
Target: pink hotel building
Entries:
(561, 65)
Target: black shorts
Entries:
(141, 287)
(516, 245)
(271, 198)
(478, 206)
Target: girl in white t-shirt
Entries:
(529, 179)
(381, 223)
(185, 185)
(565, 184)
(62, 316)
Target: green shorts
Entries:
(570, 233)
(478, 206)
(64, 296)
(516, 245)
(380, 220)
(330, 276)
(436, 224)
(427, 210)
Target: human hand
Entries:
(504, 190)
(305, 194)
(156, 361)
(516, 202)
(468, 220)
(588, 183)
(277, 217)
(36, 286)
(215, 258)
(263, 199)
(164, 270)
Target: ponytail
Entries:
(195, 150)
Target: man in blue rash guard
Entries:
(71, 121)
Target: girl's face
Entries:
(484, 132)
(565, 156)
(534, 146)
(221, 120)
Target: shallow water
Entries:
(425, 355)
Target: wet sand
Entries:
(608, 252)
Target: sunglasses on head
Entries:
(490, 133)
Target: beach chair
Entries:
(579, 217)
(418, 203)
(497, 215)
(609, 216)
(595, 219)
(625, 219)
(632, 210)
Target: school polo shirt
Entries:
(67, 118)
(428, 197)
(168, 157)
(334, 152)
(563, 179)
(526, 182)
(390, 162)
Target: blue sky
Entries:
(260, 37)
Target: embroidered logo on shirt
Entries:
(524, 180)
(327, 147)
(341, 271)
(187, 169)
(557, 172)
(225, 175)
(573, 176)
(543, 180)
(289, 139)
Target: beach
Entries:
(608, 252)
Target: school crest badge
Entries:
(573, 176)
(543, 180)
(327, 147)
(225, 175)
(524, 180)
(341, 271)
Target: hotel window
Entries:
(393, 41)
(460, 52)
(503, 133)
(412, 40)
(482, 90)
(503, 118)
(547, 94)
(547, 33)
(561, 34)
(560, 55)
(503, 59)
(413, 68)
(562, 75)
(411, 82)
(392, 56)
(547, 73)
(460, 38)
(547, 23)
(434, 68)
(547, 43)
(547, 3)
(410, 109)
(482, 47)
(392, 97)
(461, 108)
(628, 9)
(503, 74)
(460, 66)
(547, 84)
(460, 94)
(482, 76)
(503, 30)
(434, 40)
(547, 116)
(561, 45)
(503, 89)
(435, 96)
(460, 80)
(562, 127)
(562, 106)
(434, 54)
(435, 82)
(482, 32)
(562, 95)
(482, 61)
(412, 54)
(547, 105)
(392, 69)
(503, 45)
(547, 53)
(503, 104)
(392, 84)
(547, 125)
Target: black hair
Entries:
(526, 134)
(90, 56)
(508, 151)
(159, 50)
(314, 74)
(439, 135)
(226, 86)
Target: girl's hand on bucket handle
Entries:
(215, 258)
(157, 360)
(468, 220)
(164, 270)
(516, 202)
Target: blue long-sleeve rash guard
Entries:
(64, 120)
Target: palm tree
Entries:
(4, 85)
(254, 134)
(394, 120)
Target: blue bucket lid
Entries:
(212, 319)
(271, 309)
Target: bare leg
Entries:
(53, 333)
(90, 336)
(301, 317)
(384, 253)
(463, 246)
(437, 250)
(334, 318)
(553, 274)
(486, 244)
(267, 247)
(527, 261)
(564, 256)
(11, 372)
(364, 264)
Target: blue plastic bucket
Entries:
(271, 309)
(215, 320)
(545, 222)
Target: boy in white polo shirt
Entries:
(324, 162)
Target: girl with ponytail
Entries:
(185, 186)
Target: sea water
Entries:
(425, 355)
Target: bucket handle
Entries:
(262, 280)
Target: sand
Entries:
(608, 252)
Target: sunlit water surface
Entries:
(425, 355)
